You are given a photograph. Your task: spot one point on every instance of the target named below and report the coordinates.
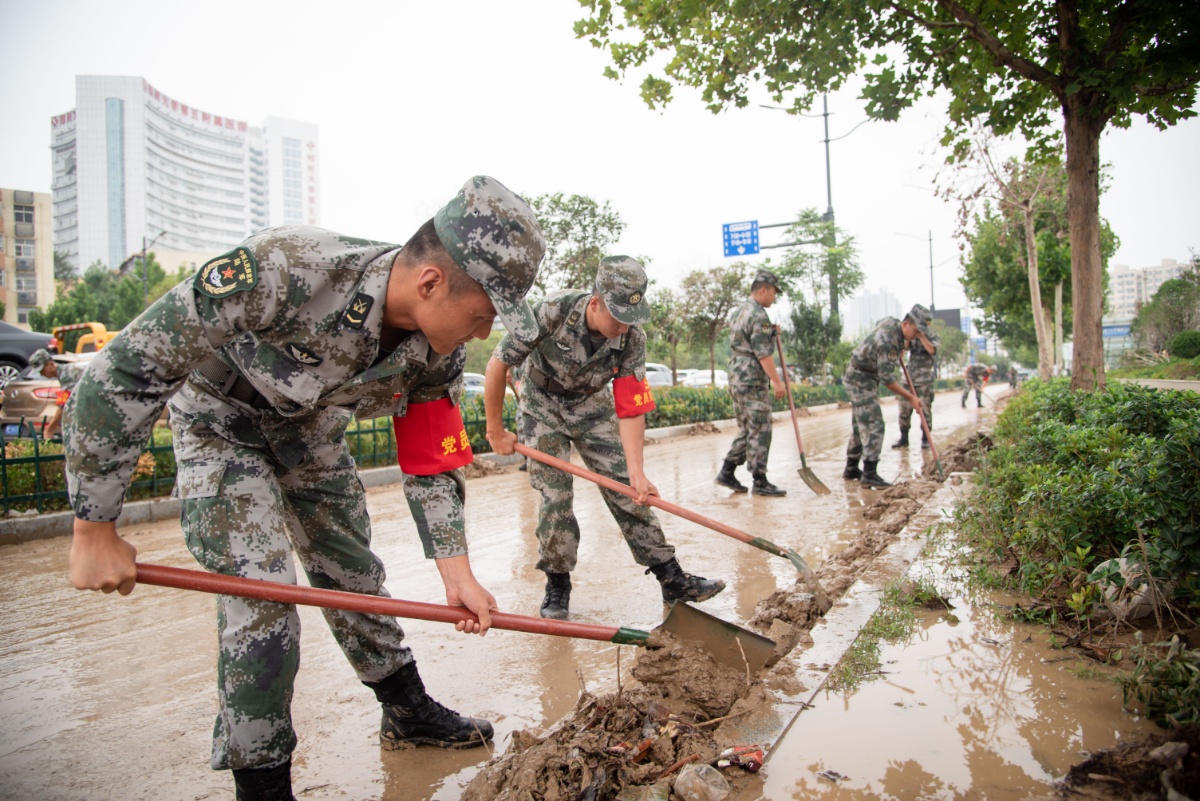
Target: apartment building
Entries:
(26, 253)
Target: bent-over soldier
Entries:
(586, 341)
(753, 378)
(922, 369)
(973, 379)
(67, 373)
(872, 364)
(265, 356)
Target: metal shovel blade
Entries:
(814, 483)
(730, 645)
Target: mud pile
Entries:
(961, 457)
(627, 744)
(479, 468)
(1162, 766)
(634, 738)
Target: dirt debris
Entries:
(702, 428)
(961, 457)
(616, 744)
(479, 468)
(1160, 766)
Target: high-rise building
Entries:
(1129, 287)
(26, 254)
(134, 167)
(865, 311)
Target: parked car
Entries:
(657, 378)
(704, 378)
(16, 346)
(31, 401)
(473, 384)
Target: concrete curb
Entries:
(58, 524)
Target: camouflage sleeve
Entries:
(513, 351)
(114, 405)
(761, 335)
(633, 361)
(436, 503)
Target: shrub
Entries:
(1185, 345)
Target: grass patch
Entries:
(895, 621)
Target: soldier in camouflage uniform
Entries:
(751, 368)
(974, 377)
(265, 356)
(922, 366)
(67, 373)
(585, 341)
(872, 364)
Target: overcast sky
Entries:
(413, 98)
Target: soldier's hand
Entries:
(779, 390)
(462, 589)
(642, 486)
(502, 441)
(915, 403)
(100, 559)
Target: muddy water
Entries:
(971, 707)
(103, 696)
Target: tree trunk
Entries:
(1035, 294)
(1058, 327)
(1083, 214)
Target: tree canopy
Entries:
(103, 296)
(1174, 308)
(1013, 66)
(710, 296)
(579, 232)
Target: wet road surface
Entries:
(110, 697)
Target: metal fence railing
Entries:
(32, 470)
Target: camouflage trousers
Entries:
(925, 393)
(866, 428)
(752, 409)
(591, 426)
(244, 514)
(969, 385)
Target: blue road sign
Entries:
(741, 238)
(1109, 331)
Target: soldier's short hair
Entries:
(426, 247)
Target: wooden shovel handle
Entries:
(624, 489)
(791, 403)
(183, 579)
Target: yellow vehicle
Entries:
(95, 339)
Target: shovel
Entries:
(728, 644)
(653, 500)
(806, 473)
(729, 531)
(924, 425)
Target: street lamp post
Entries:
(932, 305)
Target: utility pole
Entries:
(932, 306)
(828, 216)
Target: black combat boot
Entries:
(978, 402)
(903, 441)
(851, 472)
(411, 717)
(264, 784)
(680, 586)
(556, 605)
(726, 478)
(764, 487)
(870, 478)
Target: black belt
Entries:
(551, 384)
(232, 384)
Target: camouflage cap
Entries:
(921, 317)
(766, 277)
(494, 236)
(992, 368)
(621, 283)
(39, 358)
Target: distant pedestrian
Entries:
(751, 369)
(1012, 377)
(922, 364)
(874, 363)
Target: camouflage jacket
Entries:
(921, 363)
(560, 349)
(976, 373)
(751, 337)
(69, 375)
(297, 312)
(879, 353)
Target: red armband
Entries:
(431, 438)
(61, 398)
(632, 397)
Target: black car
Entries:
(16, 346)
